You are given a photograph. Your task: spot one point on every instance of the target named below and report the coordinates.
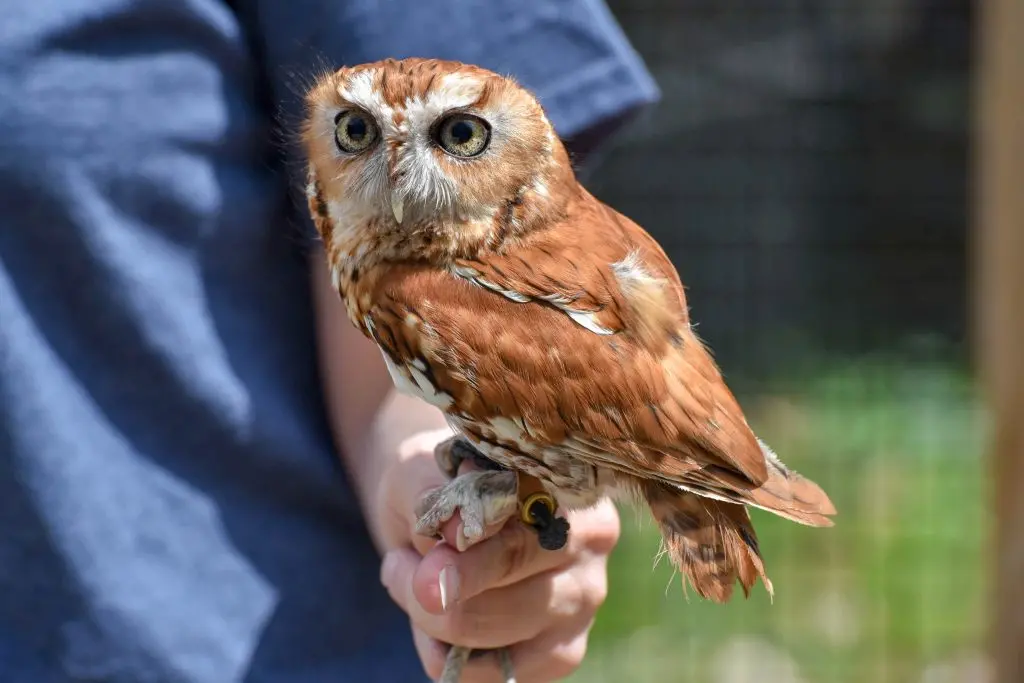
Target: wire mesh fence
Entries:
(807, 172)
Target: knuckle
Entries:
(595, 587)
(590, 590)
(607, 528)
(433, 665)
(515, 552)
(566, 660)
(596, 529)
(462, 626)
(431, 654)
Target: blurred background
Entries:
(807, 171)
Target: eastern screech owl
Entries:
(551, 330)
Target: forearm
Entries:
(370, 421)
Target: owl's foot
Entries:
(451, 453)
(483, 499)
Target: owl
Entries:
(552, 331)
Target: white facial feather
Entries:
(362, 92)
(371, 184)
(424, 186)
(424, 181)
(346, 238)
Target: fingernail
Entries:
(387, 569)
(448, 582)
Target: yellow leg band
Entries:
(542, 496)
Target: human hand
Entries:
(503, 591)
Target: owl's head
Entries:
(431, 153)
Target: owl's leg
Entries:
(483, 499)
(452, 452)
(458, 656)
(453, 664)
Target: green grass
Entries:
(896, 587)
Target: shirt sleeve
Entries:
(571, 53)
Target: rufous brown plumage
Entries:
(551, 330)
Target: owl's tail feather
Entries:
(711, 542)
(790, 495)
(785, 492)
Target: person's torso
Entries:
(172, 506)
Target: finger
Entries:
(452, 535)
(559, 650)
(498, 617)
(554, 654)
(432, 653)
(512, 555)
(423, 545)
(446, 576)
(551, 656)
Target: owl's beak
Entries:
(397, 205)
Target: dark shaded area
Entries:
(806, 171)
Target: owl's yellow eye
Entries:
(354, 131)
(463, 135)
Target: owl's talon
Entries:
(448, 456)
(482, 498)
(452, 452)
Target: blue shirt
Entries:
(172, 507)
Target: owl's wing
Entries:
(580, 337)
(520, 370)
(595, 267)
